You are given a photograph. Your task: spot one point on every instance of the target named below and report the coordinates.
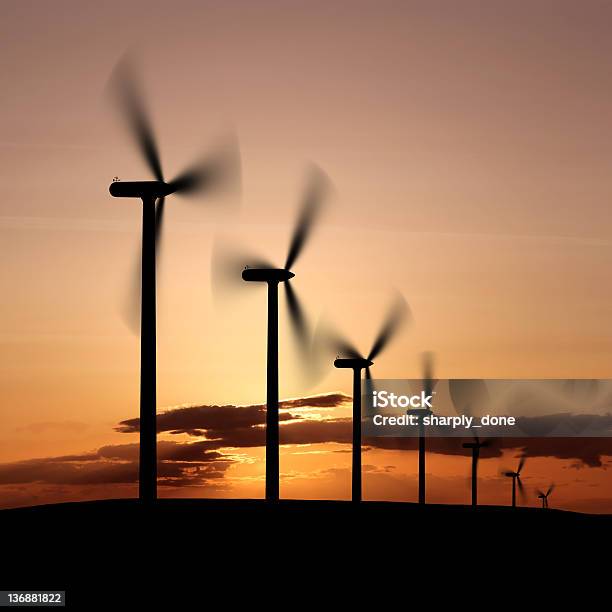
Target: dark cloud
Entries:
(586, 451)
(179, 464)
(196, 420)
(242, 427)
(205, 461)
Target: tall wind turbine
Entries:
(219, 170)
(544, 496)
(516, 480)
(475, 446)
(428, 386)
(355, 361)
(226, 265)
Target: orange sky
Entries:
(469, 144)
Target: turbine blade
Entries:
(521, 464)
(369, 387)
(397, 314)
(428, 367)
(345, 348)
(550, 489)
(369, 379)
(227, 263)
(297, 317)
(130, 309)
(328, 341)
(317, 187)
(470, 397)
(159, 219)
(521, 489)
(127, 92)
(218, 172)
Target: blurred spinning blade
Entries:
(127, 91)
(318, 186)
(397, 315)
(219, 172)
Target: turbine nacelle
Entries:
(357, 363)
(145, 190)
(266, 275)
(475, 444)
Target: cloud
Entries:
(220, 428)
(240, 424)
(242, 427)
(587, 451)
(179, 464)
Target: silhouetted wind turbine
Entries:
(260, 271)
(544, 496)
(428, 386)
(516, 479)
(357, 362)
(476, 445)
(469, 396)
(215, 172)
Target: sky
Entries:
(469, 145)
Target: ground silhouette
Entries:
(179, 550)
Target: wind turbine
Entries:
(471, 396)
(219, 170)
(544, 496)
(421, 413)
(516, 479)
(476, 445)
(225, 268)
(357, 362)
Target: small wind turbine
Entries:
(476, 445)
(355, 361)
(544, 496)
(516, 479)
(421, 413)
(211, 174)
(470, 396)
(256, 270)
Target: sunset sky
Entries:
(470, 148)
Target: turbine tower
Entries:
(212, 173)
(475, 446)
(470, 397)
(516, 480)
(226, 266)
(544, 496)
(357, 362)
(421, 413)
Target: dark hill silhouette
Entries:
(96, 549)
